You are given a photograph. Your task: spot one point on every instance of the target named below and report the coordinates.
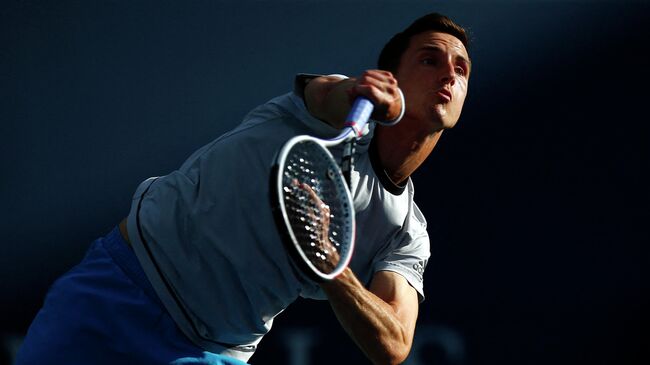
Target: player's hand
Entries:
(381, 88)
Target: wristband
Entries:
(401, 114)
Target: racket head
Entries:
(305, 177)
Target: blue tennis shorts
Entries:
(105, 311)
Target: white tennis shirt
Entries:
(206, 237)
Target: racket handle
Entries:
(359, 115)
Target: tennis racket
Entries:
(311, 200)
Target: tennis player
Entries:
(197, 271)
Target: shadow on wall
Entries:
(311, 345)
(9, 345)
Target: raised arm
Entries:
(329, 97)
(381, 319)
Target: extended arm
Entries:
(381, 319)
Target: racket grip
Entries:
(359, 115)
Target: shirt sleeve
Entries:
(411, 253)
(301, 80)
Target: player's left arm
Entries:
(380, 319)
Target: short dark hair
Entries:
(390, 56)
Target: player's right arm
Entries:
(329, 98)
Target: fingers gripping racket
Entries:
(312, 203)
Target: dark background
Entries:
(536, 202)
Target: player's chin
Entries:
(441, 119)
(449, 124)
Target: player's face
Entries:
(433, 75)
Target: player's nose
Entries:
(446, 73)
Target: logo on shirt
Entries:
(420, 266)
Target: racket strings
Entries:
(310, 215)
(312, 202)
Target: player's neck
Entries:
(402, 149)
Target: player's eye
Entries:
(428, 61)
(460, 70)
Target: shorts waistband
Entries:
(125, 258)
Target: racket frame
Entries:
(284, 220)
(354, 127)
